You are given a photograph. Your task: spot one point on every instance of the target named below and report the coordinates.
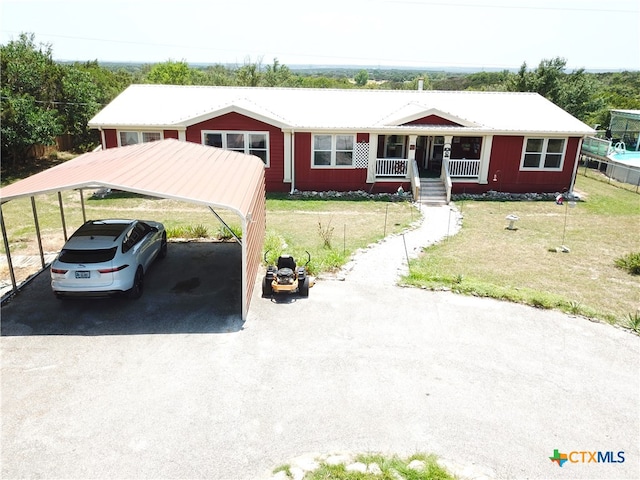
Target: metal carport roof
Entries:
(172, 169)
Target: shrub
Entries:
(633, 321)
(197, 231)
(225, 234)
(630, 263)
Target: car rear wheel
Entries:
(138, 285)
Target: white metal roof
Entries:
(172, 106)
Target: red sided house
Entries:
(372, 140)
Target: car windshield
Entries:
(88, 256)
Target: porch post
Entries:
(448, 140)
(373, 154)
(485, 160)
(413, 139)
(287, 157)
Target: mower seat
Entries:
(286, 261)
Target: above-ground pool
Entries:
(624, 167)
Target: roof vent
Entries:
(420, 84)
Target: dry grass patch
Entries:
(526, 266)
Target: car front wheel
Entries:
(138, 285)
(163, 246)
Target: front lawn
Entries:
(526, 265)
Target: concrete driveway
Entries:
(358, 366)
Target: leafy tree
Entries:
(575, 92)
(249, 75)
(110, 82)
(362, 78)
(217, 75)
(277, 75)
(170, 73)
(80, 94)
(29, 84)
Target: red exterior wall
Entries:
(432, 120)
(506, 153)
(234, 121)
(322, 179)
(170, 134)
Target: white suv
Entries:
(106, 257)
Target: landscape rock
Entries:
(356, 467)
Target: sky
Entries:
(429, 34)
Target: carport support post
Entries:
(64, 225)
(8, 252)
(37, 224)
(84, 214)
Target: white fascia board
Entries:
(133, 127)
(445, 130)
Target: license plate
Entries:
(83, 274)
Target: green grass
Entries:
(523, 266)
(292, 225)
(390, 468)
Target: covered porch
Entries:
(464, 158)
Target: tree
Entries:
(574, 92)
(29, 82)
(80, 104)
(170, 73)
(362, 78)
(249, 75)
(277, 75)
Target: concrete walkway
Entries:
(384, 262)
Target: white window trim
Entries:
(139, 133)
(333, 150)
(541, 167)
(246, 134)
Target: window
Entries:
(132, 138)
(135, 235)
(543, 153)
(250, 143)
(394, 146)
(333, 150)
(466, 147)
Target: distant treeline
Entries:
(43, 99)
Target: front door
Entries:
(429, 151)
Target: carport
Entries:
(185, 171)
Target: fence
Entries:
(623, 176)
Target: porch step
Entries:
(432, 192)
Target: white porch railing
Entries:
(464, 168)
(392, 167)
(415, 181)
